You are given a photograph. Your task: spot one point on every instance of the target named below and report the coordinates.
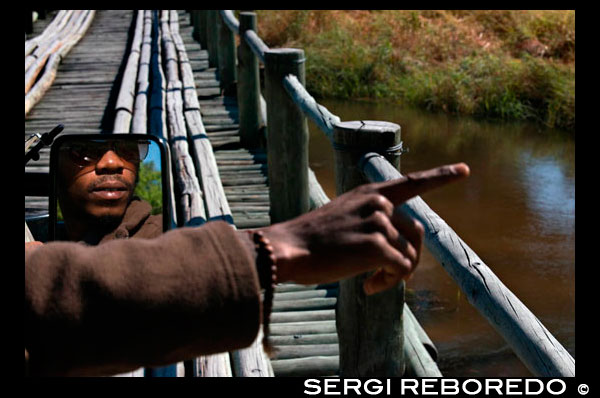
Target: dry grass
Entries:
(502, 64)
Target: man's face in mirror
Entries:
(97, 179)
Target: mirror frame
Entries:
(61, 139)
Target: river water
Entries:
(516, 211)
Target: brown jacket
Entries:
(112, 308)
(137, 222)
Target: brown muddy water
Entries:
(516, 211)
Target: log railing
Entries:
(45, 51)
(365, 151)
(158, 74)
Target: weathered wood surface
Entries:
(217, 365)
(419, 360)
(216, 203)
(543, 355)
(287, 137)
(251, 361)
(248, 87)
(256, 44)
(127, 94)
(82, 106)
(191, 199)
(43, 31)
(51, 50)
(139, 123)
(226, 51)
(220, 118)
(299, 339)
(243, 173)
(313, 365)
(376, 351)
(419, 351)
(324, 119)
(229, 18)
(45, 44)
(308, 366)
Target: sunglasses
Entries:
(90, 152)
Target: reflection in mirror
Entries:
(107, 187)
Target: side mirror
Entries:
(102, 184)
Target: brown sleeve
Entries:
(129, 303)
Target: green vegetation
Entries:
(511, 65)
(149, 187)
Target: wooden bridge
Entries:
(194, 79)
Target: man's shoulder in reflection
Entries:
(137, 222)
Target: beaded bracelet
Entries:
(266, 266)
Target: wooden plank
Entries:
(306, 294)
(191, 199)
(294, 287)
(139, 124)
(305, 304)
(125, 100)
(291, 328)
(251, 361)
(66, 102)
(301, 339)
(302, 316)
(306, 350)
(217, 365)
(56, 51)
(419, 362)
(305, 367)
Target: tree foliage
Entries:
(149, 186)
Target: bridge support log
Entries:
(212, 38)
(201, 26)
(248, 86)
(194, 17)
(226, 56)
(287, 137)
(370, 328)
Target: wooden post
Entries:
(370, 328)
(201, 20)
(212, 37)
(226, 56)
(287, 137)
(540, 352)
(194, 16)
(248, 86)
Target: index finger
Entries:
(416, 183)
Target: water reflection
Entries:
(517, 211)
(550, 193)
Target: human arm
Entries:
(128, 303)
(357, 232)
(192, 291)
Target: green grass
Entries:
(478, 63)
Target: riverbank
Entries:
(516, 211)
(509, 65)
